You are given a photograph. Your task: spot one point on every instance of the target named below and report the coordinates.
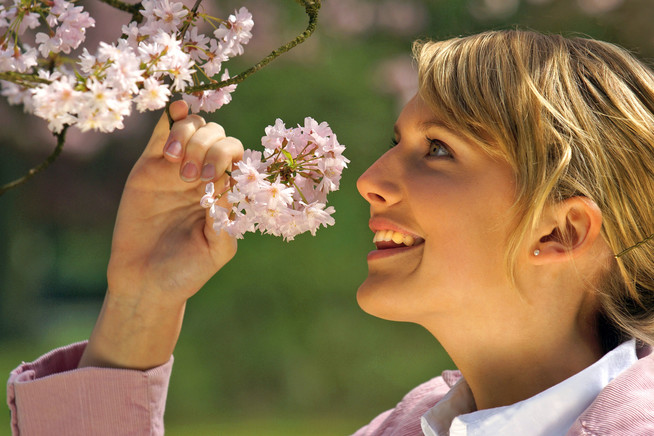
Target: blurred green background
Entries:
(275, 343)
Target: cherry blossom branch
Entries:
(312, 7)
(61, 138)
(64, 87)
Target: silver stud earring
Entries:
(536, 252)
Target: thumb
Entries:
(178, 111)
(222, 245)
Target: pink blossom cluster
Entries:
(282, 191)
(150, 61)
(68, 24)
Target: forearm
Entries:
(133, 333)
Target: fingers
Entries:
(179, 136)
(178, 111)
(203, 151)
(220, 156)
(193, 166)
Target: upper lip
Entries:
(379, 223)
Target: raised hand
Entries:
(162, 240)
(164, 248)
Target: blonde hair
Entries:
(574, 117)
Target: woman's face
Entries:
(444, 205)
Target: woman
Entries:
(521, 168)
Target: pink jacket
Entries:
(51, 397)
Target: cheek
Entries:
(466, 228)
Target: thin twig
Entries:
(183, 30)
(311, 8)
(61, 138)
(186, 25)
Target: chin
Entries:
(382, 301)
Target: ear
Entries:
(568, 229)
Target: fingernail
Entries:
(208, 172)
(173, 149)
(189, 172)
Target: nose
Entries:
(379, 183)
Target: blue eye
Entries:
(394, 142)
(437, 148)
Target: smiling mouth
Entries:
(388, 239)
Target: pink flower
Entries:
(17, 95)
(87, 61)
(30, 21)
(210, 100)
(275, 195)
(236, 32)
(147, 10)
(195, 44)
(275, 135)
(170, 13)
(315, 215)
(248, 174)
(99, 96)
(215, 58)
(154, 95)
(124, 72)
(15, 59)
(132, 32)
(56, 102)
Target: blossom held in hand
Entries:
(283, 191)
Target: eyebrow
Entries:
(425, 125)
(433, 123)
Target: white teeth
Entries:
(396, 237)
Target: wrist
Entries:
(134, 332)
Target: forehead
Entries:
(418, 114)
(415, 111)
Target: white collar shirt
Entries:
(551, 412)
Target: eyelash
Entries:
(432, 143)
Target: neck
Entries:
(504, 367)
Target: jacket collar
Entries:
(456, 412)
